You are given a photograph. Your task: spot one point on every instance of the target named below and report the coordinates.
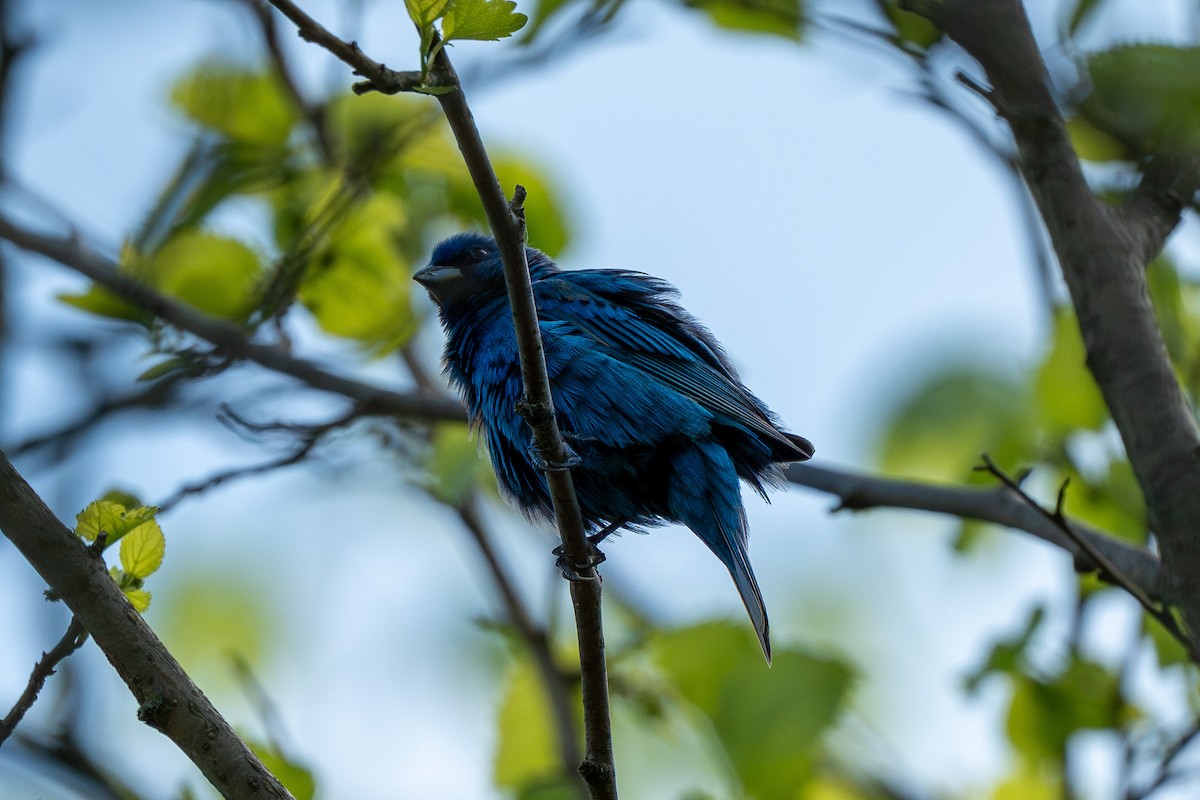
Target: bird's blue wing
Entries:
(630, 316)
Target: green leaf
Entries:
(1166, 647)
(778, 17)
(769, 720)
(244, 105)
(1146, 96)
(488, 20)
(1065, 393)
(454, 469)
(295, 777)
(112, 518)
(526, 753)
(138, 598)
(216, 274)
(359, 285)
(939, 431)
(100, 301)
(1044, 714)
(424, 13)
(165, 367)
(1083, 9)
(142, 550)
(911, 29)
(1093, 144)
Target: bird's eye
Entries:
(479, 252)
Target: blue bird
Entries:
(644, 396)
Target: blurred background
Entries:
(866, 256)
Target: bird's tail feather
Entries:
(704, 495)
(737, 560)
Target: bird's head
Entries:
(469, 265)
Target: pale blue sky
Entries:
(835, 234)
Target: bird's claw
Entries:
(570, 459)
(573, 572)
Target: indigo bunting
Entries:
(659, 423)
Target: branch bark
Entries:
(168, 701)
(858, 492)
(1103, 251)
(507, 222)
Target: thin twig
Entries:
(1105, 565)
(71, 641)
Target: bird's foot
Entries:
(573, 572)
(570, 459)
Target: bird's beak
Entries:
(438, 278)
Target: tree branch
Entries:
(168, 701)
(228, 338)
(71, 641)
(507, 222)
(1103, 252)
(859, 492)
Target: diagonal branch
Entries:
(1103, 253)
(228, 338)
(858, 492)
(168, 701)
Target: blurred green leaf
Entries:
(1178, 327)
(1093, 144)
(100, 301)
(1030, 782)
(244, 105)
(1166, 647)
(1082, 10)
(545, 222)
(142, 550)
(1066, 395)
(295, 777)
(359, 284)
(526, 753)
(1044, 714)
(778, 17)
(911, 29)
(454, 468)
(487, 20)
(1146, 96)
(769, 720)
(165, 367)
(211, 613)
(216, 274)
(939, 431)
(1112, 503)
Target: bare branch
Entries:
(859, 492)
(71, 641)
(230, 339)
(167, 699)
